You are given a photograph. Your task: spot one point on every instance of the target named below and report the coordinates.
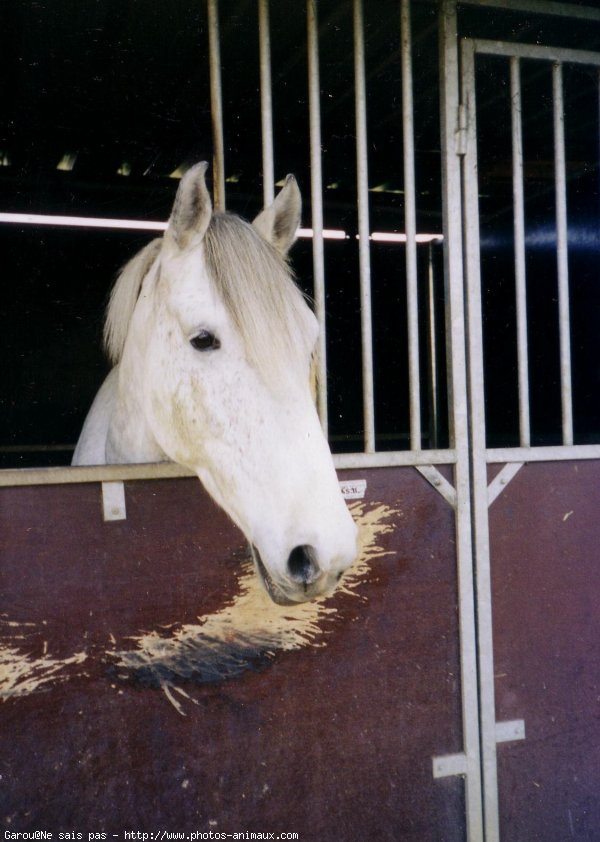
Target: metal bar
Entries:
(316, 198)
(362, 167)
(434, 411)
(439, 482)
(540, 7)
(485, 650)
(216, 105)
(455, 337)
(170, 470)
(510, 730)
(450, 765)
(535, 51)
(266, 103)
(562, 256)
(410, 226)
(388, 459)
(560, 453)
(93, 473)
(394, 458)
(519, 234)
(502, 479)
(113, 501)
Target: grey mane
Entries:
(124, 297)
(258, 289)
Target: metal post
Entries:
(316, 193)
(363, 226)
(455, 333)
(479, 492)
(266, 103)
(519, 234)
(562, 256)
(434, 422)
(216, 105)
(410, 226)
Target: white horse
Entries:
(212, 345)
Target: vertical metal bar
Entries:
(363, 226)
(519, 234)
(479, 495)
(410, 225)
(455, 337)
(562, 255)
(316, 193)
(216, 104)
(434, 421)
(266, 103)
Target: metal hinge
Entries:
(462, 128)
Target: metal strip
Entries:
(485, 649)
(363, 227)
(507, 732)
(392, 459)
(534, 51)
(455, 333)
(410, 226)
(562, 257)
(266, 103)
(439, 482)
(113, 501)
(540, 7)
(216, 104)
(501, 480)
(13, 477)
(559, 453)
(519, 233)
(434, 412)
(316, 197)
(448, 766)
(93, 473)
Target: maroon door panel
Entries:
(545, 552)
(149, 684)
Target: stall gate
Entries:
(512, 530)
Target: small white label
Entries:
(353, 489)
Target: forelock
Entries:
(260, 295)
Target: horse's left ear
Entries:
(192, 209)
(279, 223)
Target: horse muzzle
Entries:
(304, 581)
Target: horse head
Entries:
(222, 342)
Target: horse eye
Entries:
(205, 341)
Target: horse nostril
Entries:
(302, 565)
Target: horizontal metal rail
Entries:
(558, 453)
(539, 7)
(169, 470)
(534, 51)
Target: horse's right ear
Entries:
(278, 224)
(192, 209)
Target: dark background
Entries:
(120, 89)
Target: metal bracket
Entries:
(113, 501)
(509, 731)
(501, 480)
(449, 765)
(462, 126)
(439, 482)
(456, 764)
